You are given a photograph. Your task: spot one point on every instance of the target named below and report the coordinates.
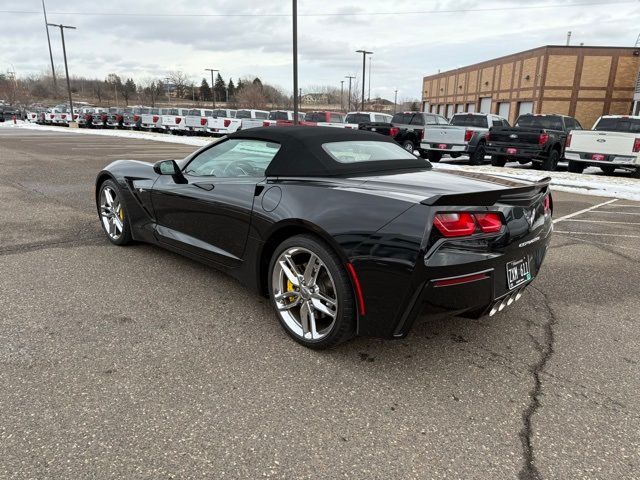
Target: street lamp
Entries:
(341, 95)
(395, 101)
(294, 18)
(213, 92)
(364, 62)
(46, 27)
(349, 96)
(168, 90)
(66, 68)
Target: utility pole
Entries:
(66, 68)
(213, 91)
(349, 96)
(341, 95)
(395, 101)
(369, 94)
(53, 69)
(167, 85)
(364, 70)
(294, 17)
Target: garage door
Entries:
(460, 108)
(485, 105)
(450, 110)
(525, 107)
(503, 109)
(471, 107)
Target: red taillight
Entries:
(119, 118)
(489, 222)
(487, 137)
(455, 224)
(357, 288)
(547, 204)
(393, 131)
(75, 116)
(463, 224)
(104, 118)
(87, 116)
(155, 118)
(51, 116)
(63, 116)
(203, 121)
(567, 144)
(636, 145)
(543, 138)
(447, 282)
(467, 135)
(136, 118)
(265, 124)
(178, 120)
(227, 123)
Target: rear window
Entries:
(464, 120)
(315, 117)
(626, 125)
(154, 111)
(219, 113)
(243, 114)
(172, 111)
(366, 151)
(278, 116)
(358, 118)
(402, 118)
(549, 122)
(336, 118)
(193, 113)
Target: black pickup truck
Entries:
(539, 139)
(410, 128)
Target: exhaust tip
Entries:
(493, 311)
(519, 294)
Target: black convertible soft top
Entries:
(301, 153)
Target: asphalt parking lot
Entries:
(137, 363)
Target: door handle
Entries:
(205, 186)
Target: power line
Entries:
(340, 14)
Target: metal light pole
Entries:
(294, 17)
(395, 101)
(369, 93)
(349, 97)
(364, 70)
(66, 68)
(341, 95)
(213, 91)
(46, 26)
(167, 85)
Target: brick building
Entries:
(584, 82)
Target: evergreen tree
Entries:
(205, 90)
(220, 88)
(257, 82)
(231, 88)
(128, 90)
(240, 85)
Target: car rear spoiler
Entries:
(490, 197)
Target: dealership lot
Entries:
(135, 362)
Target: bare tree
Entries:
(180, 82)
(252, 96)
(150, 90)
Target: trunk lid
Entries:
(515, 135)
(445, 134)
(607, 143)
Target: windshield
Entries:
(550, 122)
(278, 116)
(243, 114)
(315, 117)
(628, 125)
(358, 118)
(465, 120)
(366, 151)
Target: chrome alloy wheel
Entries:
(111, 213)
(304, 293)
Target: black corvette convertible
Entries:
(346, 232)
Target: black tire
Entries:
(498, 160)
(576, 167)
(125, 237)
(607, 169)
(477, 157)
(523, 161)
(455, 155)
(551, 162)
(409, 146)
(434, 156)
(344, 326)
(635, 173)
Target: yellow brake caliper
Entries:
(120, 212)
(290, 289)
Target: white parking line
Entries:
(599, 234)
(580, 212)
(600, 221)
(628, 206)
(608, 212)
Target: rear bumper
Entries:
(617, 160)
(447, 148)
(522, 152)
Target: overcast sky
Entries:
(190, 35)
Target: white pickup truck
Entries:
(614, 142)
(224, 121)
(465, 135)
(196, 120)
(153, 120)
(251, 118)
(173, 120)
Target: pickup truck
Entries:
(252, 118)
(152, 121)
(99, 118)
(85, 116)
(464, 135)
(133, 118)
(372, 122)
(281, 118)
(324, 118)
(614, 142)
(196, 120)
(115, 117)
(411, 128)
(539, 139)
(173, 120)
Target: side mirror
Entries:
(166, 167)
(169, 167)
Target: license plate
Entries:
(442, 146)
(512, 151)
(597, 156)
(518, 272)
